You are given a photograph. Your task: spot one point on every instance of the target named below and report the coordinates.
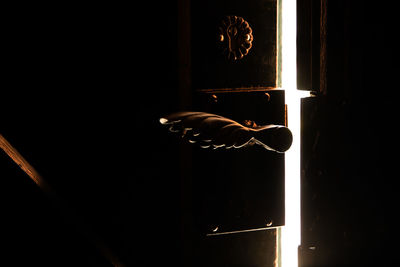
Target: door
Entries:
(232, 67)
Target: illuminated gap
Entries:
(290, 233)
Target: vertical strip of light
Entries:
(290, 238)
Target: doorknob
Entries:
(211, 130)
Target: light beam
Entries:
(290, 233)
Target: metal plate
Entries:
(240, 189)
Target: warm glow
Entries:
(290, 238)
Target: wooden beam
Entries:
(23, 164)
(64, 209)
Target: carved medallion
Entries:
(235, 37)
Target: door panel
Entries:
(211, 67)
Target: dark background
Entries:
(83, 86)
(349, 163)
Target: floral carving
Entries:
(235, 37)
